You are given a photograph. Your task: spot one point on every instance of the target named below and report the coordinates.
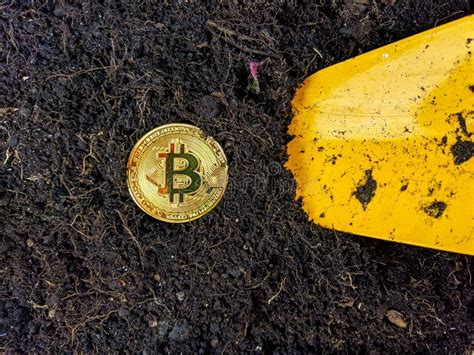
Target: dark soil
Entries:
(462, 151)
(83, 268)
(436, 209)
(366, 189)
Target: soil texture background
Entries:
(83, 268)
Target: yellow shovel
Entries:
(384, 143)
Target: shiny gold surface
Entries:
(176, 173)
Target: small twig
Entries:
(35, 305)
(228, 32)
(134, 239)
(11, 34)
(101, 317)
(90, 154)
(448, 17)
(219, 243)
(282, 284)
(89, 238)
(318, 52)
(155, 300)
(71, 195)
(4, 110)
(7, 156)
(468, 271)
(79, 72)
(248, 50)
(259, 284)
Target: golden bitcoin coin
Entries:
(176, 173)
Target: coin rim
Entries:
(140, 141)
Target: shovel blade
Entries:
(383, 143)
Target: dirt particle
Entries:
(348, 303)
(157, 277)
(152, 322)
(462, 151)
(51, 313)
(366, 189)
(471, 87)
(396, 318)
(431, 191)
(180, 296)
(462, 124)
(444, 140)
(404, 187)
(436, 209)
(29, 243)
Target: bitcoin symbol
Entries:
(176, 173)
(171, 171)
